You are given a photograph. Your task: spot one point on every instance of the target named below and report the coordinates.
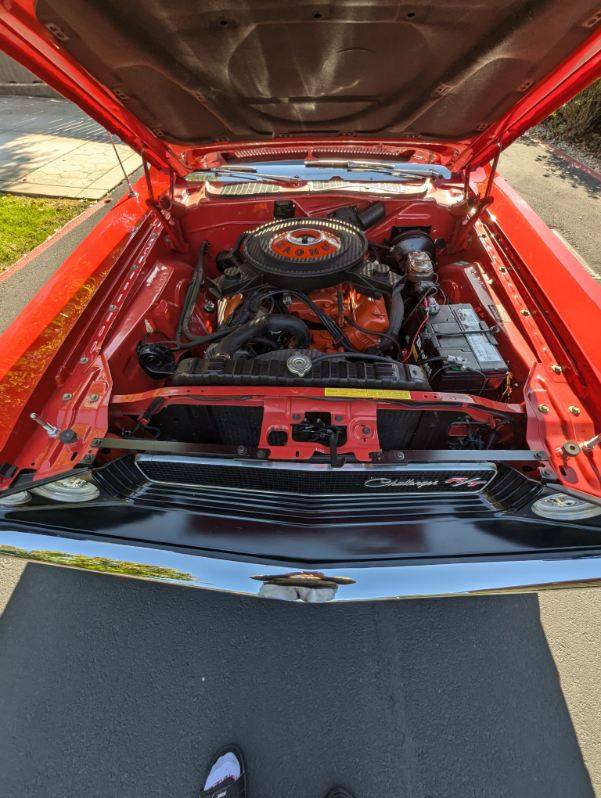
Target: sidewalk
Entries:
(50, 148)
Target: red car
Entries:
(322, 350)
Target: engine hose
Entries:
(183, 326)
(395, 318)
(246, 333)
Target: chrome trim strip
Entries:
(295, 466)
(350, 583)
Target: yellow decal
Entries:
(366, 393)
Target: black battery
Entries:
(459, 352)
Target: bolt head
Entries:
(84, 359)
(525, 312)
(556, 368)
(570, 449)
(112, 308)
(67, 396)
(543, 408)
(366, 430)
(94, 397)
(575, 411)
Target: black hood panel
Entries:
(200, 71)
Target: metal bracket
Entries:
(408, 456)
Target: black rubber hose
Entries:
(395, 318)
(246, 333)
(183, 326)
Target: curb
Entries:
(552, 148)
(63, 231)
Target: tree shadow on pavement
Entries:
(121, 688)
(554, 166)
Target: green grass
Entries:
(27, 221)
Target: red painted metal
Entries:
(557, 305)
(71, 303)
(283, 407)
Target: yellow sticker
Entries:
(367, 393)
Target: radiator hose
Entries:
(243, 335)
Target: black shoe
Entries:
(230, 787)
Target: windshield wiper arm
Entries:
(248, 173)
(409, 171)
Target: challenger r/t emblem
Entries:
(455, 482)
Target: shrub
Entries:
(579, 121)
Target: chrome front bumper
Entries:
(352, 583)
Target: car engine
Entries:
(312, 302)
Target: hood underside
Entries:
(198, 72)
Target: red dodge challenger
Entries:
(320, 350)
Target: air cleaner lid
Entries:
(294, 250)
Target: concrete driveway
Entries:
(114, 688)
(49, 147)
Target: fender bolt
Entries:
(575, 411)
(543, 408)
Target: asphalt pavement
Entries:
(568, 199)
(115, 688)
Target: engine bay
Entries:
(312, 301)
(350, 303)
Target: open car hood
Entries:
(174, 78)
